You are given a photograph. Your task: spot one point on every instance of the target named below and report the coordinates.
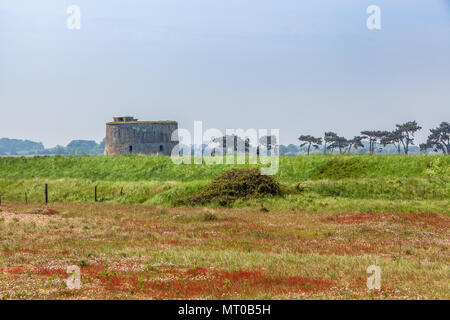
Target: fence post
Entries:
(95, 193)
(46, 193)
(26, 198)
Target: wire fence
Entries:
(45, 193)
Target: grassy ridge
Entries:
(160, 168)
(315, 183)
(353, 195)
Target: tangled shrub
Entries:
(233, 185)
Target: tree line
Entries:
(402, 137)
(16, 147)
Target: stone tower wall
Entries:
(140, 138)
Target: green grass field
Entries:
(337, 215)
(160, 168)
(316, 183)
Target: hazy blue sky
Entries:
(301, 66)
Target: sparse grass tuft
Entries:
(210, 216)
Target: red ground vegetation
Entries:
(202, 282)
(427, 218)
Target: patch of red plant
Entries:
(171, 242)
(50, 211)
(427, 218)
(48, 272)
(92, 269)
(201, 282)
(359, 217)
(15, 270)
(34, 271)
(31, 251)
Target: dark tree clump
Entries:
(310, 141)
(374, 137)
(439, 139)
(407, 131)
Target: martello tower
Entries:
(127, 135)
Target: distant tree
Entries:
(341, 144)
(247, 145)
(329, 139)
(394, 138)
(82, 147)
(290, 149)
(221, 141)
(335, 142)
(373, 137)
(60, 150)
(231, 143)
(356, 142)
(310, 141)
(370, 135)
(101, 146)
(439, 139)
(407, 131)
(424, 146)
(13, 151)
(23, 147)
(268, 141)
